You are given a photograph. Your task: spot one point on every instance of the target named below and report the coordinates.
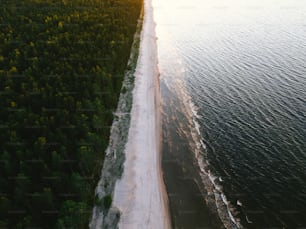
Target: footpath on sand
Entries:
(140, 194)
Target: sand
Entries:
(140, 193)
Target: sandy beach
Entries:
(140, 194)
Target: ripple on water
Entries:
(245, 71)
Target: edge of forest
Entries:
(114, 158)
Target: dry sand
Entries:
(140, 194)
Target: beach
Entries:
(140, 194)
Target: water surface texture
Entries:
(235, 71)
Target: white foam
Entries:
(223, 197)
(247, 219)
(217, 188)
(194, 109)
(239, 203)
(203, 144)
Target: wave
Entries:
(212, 183)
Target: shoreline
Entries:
(140, 194)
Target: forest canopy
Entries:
(61, 70)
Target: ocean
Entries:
(233, 86)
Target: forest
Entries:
(62, 64)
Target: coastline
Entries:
(104, 215)
(140, 194)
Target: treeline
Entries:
(61, 70)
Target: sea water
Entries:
(233, 85)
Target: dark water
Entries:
(236, 71)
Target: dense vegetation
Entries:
(61, 69)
